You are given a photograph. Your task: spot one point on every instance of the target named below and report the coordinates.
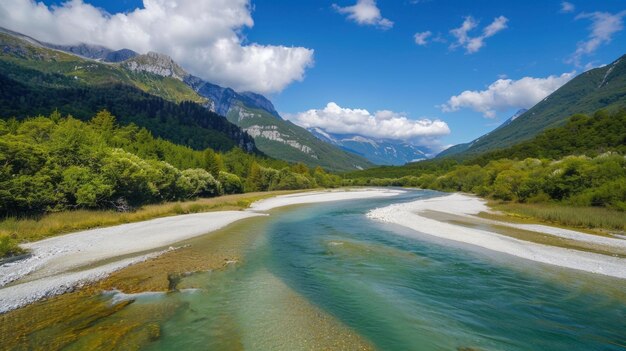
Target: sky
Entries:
(435, 72)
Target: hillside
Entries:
(581, 135)
(599, 88)
(284, 140)
(28, 92)
(28, 53)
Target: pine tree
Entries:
(255, 178)
(211, 162)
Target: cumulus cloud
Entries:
(205, 37)
(567, 7)
(365, 12)
(422, 38)
(603, 26)
(474, 44)
(383, 124)
(504, 94)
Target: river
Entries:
(324, 276)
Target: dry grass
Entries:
(594, 218)
(32, 229)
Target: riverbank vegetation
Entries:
(55, 163)
(58, 163)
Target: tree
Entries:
(104, 121)
(254, 181)
(211, 162)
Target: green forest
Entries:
(60, 163)
(580, 164)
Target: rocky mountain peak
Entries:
(156, 63)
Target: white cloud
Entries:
(422, 38)
(203, 36)
(603, 26)
(383, 124)
(504, 94)
(365, 12)
(474, 44)
(567, 7)
(461, 33)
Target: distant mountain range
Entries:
(378, 151)
(599, 88)
(159, 75)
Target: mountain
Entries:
(460, 148)
(159, 75)
(599, 88)
(28, 53)
(36, 80)
(155, 63)
(377, 151)
(282, 139)
(223, 99)
(256, 115)
(512, 118)
(94, 52)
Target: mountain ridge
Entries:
(598, 88)
(459, 148)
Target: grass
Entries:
(14, 230)
(594, 218)
(9, 247)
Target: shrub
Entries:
(198, 182)
(231, 184)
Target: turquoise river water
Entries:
(396, 290)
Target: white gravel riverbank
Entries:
(62, 263)
(409, 215)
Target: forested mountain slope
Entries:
(599, 88)
(27, 53)
(27, 92)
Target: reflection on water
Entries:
(325, 277)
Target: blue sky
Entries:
(378, 66)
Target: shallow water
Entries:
(326, 277)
